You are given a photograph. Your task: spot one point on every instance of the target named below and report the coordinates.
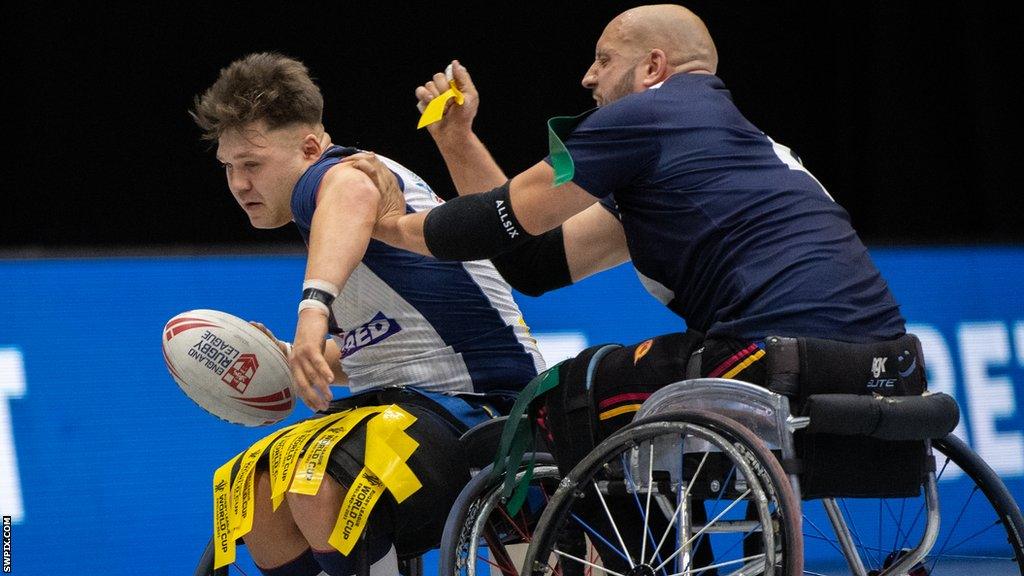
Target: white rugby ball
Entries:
(228, 367)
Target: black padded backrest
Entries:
(851, 466)
(800, 367)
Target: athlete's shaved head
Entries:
(675, 30)
(644, 45)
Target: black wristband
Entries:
(318, 295)
(474, 227)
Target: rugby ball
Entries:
(228, 367)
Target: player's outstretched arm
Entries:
(479, 226)
(470, 164)
(346, 209)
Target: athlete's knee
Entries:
(275, 540)
(316, 514)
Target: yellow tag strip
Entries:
(284, 455)
(234, 501)
(242, 501)
(223, 538)
(387, 449)
(310, 471)
(355, 511)
(435, 109)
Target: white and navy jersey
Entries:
(403, 319)
(724, 226)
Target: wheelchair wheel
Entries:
(715, 501)
(205, 566)
(981, 530)
(481, 537)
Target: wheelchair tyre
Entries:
(981, 530)
(480, 535)
(736, 510)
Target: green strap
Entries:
(559, 128)
(517, 435)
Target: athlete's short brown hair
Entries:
(265, 86)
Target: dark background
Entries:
(906, 113)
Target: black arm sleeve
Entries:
(474, 227)
(536, 266)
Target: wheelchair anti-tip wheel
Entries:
(715, 501)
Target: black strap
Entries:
(693, 365)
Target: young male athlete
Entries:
(447, 334)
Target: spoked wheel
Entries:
(981, 530)
(481, 537)
(715, 502)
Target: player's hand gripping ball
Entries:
(228, 367)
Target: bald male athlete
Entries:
(723, 225)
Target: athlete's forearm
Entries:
(346, 209)
(334, 253)
(405, 232)
(470, 164)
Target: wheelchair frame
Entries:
(767, 415)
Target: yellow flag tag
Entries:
(355, 511)
(242, 499)
(284, 455)
(223, 539)
(310, 471)
(387, 449)
(435, 109)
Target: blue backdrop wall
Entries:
(105, 466)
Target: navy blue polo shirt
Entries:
(725, 226)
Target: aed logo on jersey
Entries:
(378, 328)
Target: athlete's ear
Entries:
(655, 68)
(311, 148)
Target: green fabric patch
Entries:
(559, 128)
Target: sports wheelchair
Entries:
(837, 466)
